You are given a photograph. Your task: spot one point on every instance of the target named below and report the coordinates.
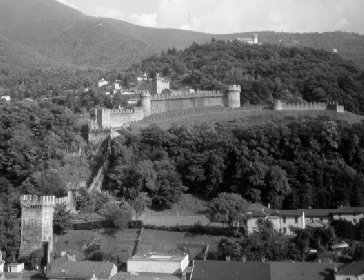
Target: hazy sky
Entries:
(228, 16)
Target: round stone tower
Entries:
(36, 224)
(146, 103)
(233, 96)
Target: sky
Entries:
(230, 16)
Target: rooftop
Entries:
(354, 268)
(82, 270)
(158, 257)
(211, 270)
(349, 210)
(317, 212)
(144, 276)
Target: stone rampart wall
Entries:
(304, 106)
(162, 104)
(119, 117)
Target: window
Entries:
(296, 220)
(284, 219)
(347, 278)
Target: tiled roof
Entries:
(301, 271)
(221, 270)
(144, 276)
(82, 270)
(349, 210)
(317, 212)
(352, 269)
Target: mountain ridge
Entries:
(51, 33)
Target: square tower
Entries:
(37, 224)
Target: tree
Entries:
(61, 218)
(118, 215)
(227, 208)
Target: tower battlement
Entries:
(233, 88)
(34, 201)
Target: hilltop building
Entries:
(102, 83)
(251, 41)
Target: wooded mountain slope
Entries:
(265, 72)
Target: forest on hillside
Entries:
(35, 143)
(296, 163)
(265, 72)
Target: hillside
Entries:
(42, 38)
(265, 73)
(65, 35)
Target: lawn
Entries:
(174, 242)
(118, 244)
(246, 117)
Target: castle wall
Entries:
(119, 118)
(164, 103)
(315, 106)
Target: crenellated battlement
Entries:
(34, 201)
(233, 88)
(122, 110)
(315, 106)
(187, 95)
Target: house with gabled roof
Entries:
(351, 214)
(352, 271)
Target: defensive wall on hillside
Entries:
(161, 103)
(314, 106)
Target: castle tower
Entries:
(159, 84)
(278, 106)
(255, 39)
(233, 96)
(146, 103)
(36, 224)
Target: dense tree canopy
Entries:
(295, 163)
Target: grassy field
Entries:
(119, 244)
(247, 117)
(174, 242)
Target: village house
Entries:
(352, 271)
(285, 220)
(351, 214)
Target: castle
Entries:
(315, 106)
(160, 103)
